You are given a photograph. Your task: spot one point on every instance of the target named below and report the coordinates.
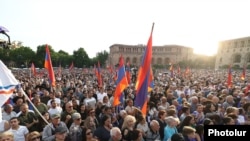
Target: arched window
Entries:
(153, 61)
(134, 61)
(237, 58)
(167, 61)
(159, 61)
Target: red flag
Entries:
(48, 66)
(151, 81)
(143, 78)
(71, 67)
(33, 69)
(243, 75)
(121, 82)
(128, 73)
(179, 70)
(110, 69)
(229, 78)
(59, 71)
(171, 69)
(99, 76)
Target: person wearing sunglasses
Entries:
(34, 136)
(87, 135)
(75, 130)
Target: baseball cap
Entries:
(76, 116)
(55, 116)
(61, 129)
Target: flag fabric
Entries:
(71, 67)
(243, 75)
(121, 83)
(171, 69)
(59, 71)
(95, 70)
(143, 78)
(99, 76)
(229, 78)
(115, 76)
(49, 67)
(179, 70)
(151, 81)
(8, 83)
(128, 73)
(33, 69)
(187, 71)
(110, 69)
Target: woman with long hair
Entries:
(128, 127)
(90, 123)
(87, 135)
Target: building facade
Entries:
(235, 52)
(162, 55)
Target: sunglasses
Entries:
(78, 119)
(88, 133)
(35, 138)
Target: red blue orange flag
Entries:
(99, 76)
(128, 73)
(48, 66)
(171, 69)
(33, 69)
(151, 81)
(243, 75)
(121, 82)
(229, 78)
(71, 67)
(143, 77)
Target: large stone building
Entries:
(162, 55)
(235, 52)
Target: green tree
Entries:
(102, 57)
(23, 56)
(80, 58)
(63, 58)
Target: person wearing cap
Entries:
(49, 130)
(75, 130)
(67, 114)
(61, 134)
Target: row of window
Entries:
(237, 59)
(122, 49)
(222, 51)
(235, 44)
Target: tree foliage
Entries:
(24, 56)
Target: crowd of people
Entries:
(77, 109)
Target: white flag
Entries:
(8, 83)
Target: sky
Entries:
(95, 25)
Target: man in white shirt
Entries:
(53, 97)
(101, 94)
(20, 132)
(54, 109)
(8, 112)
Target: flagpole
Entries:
(35, 108)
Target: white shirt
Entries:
(57, 100)
(19, 134)
(7, 116)
(57, 110)
(100, 96)
(90, 102)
